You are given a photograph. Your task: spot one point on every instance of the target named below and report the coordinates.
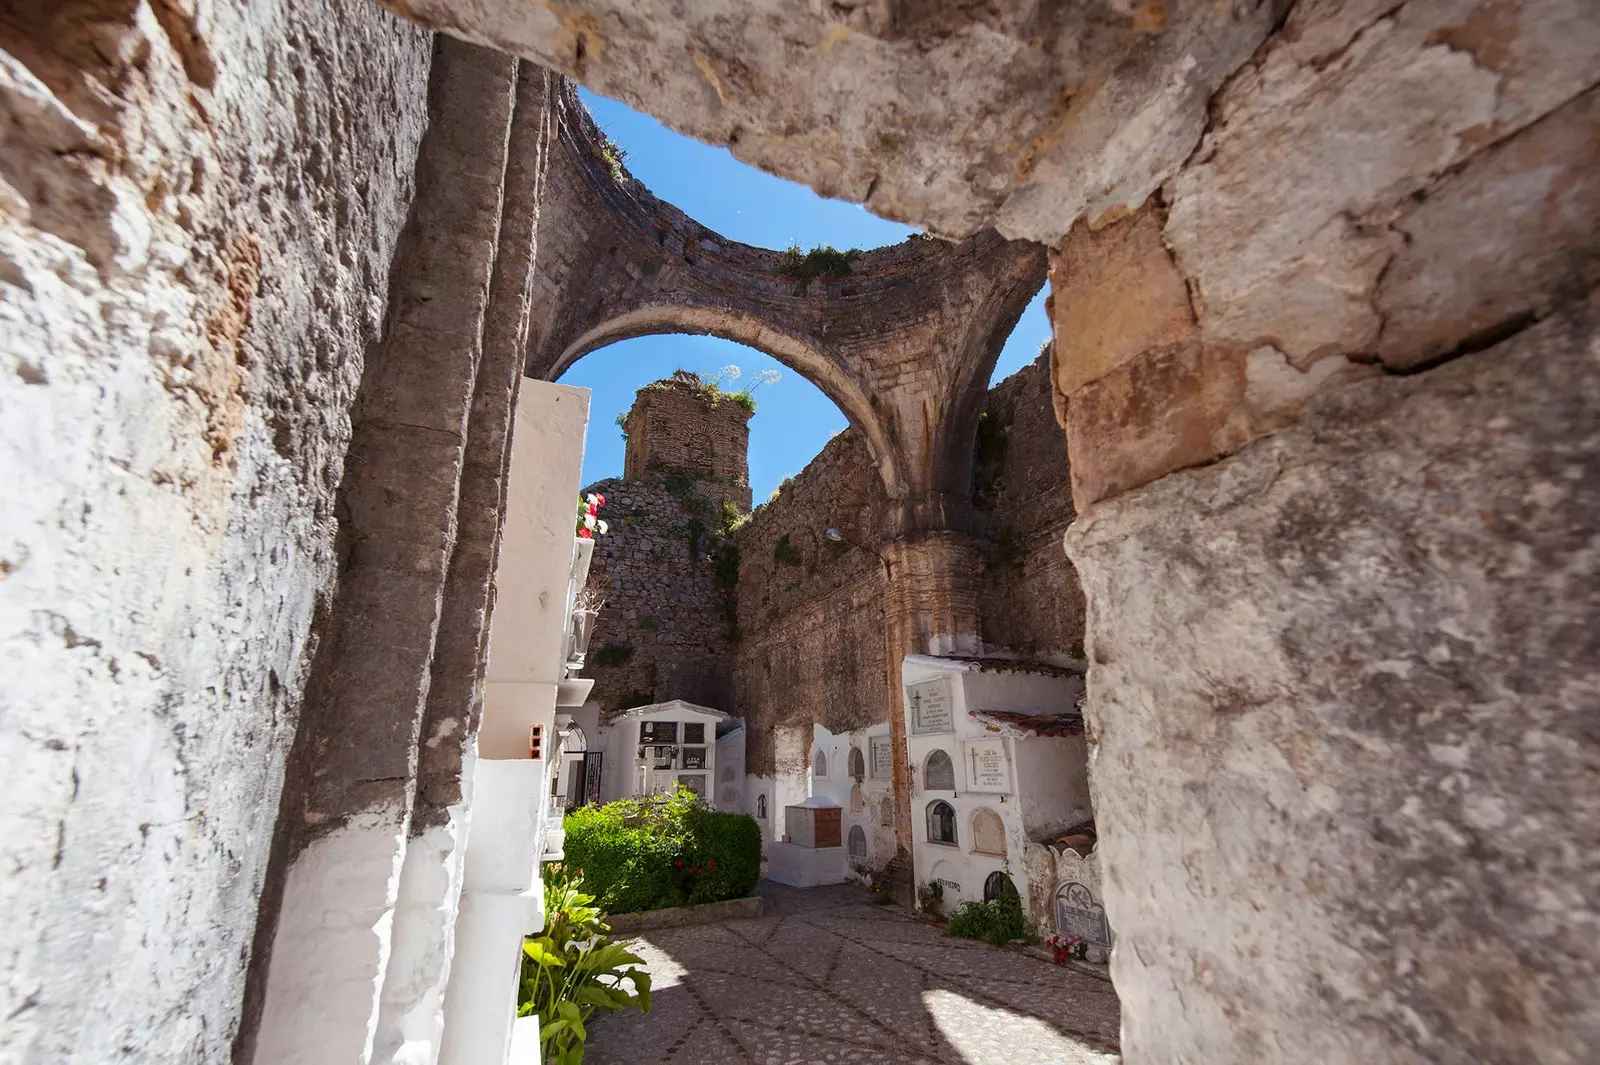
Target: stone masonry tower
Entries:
(685, 428)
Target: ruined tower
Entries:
(688, 432)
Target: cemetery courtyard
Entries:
(825, 976)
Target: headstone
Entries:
(882, 757)
(930, 706)
(988, 766)
(938, 772)
(1078, 914)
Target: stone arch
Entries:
(988, 833)
(858, 799)
(938, 772)
(799, 354)
(886, 811)
(761, 807)
(819, 764)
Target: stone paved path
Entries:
(825, 977)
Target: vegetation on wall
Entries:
(646, 854)
(822, 261)
(988, 457)
(574, 971)
(784, 553)
(615, 155)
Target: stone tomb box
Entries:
(814, 823)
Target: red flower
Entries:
(710, 865)
(679, 864)
(585, 534)
(601, 500)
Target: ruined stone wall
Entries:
(681, 428)
(811, 611)
(663, 633)
(1031, 601)
(197, 219)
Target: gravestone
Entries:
(1078, 914)
(930, 706)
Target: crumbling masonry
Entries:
(1323, 279)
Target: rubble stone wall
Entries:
(811, 610)
(663, 633)
(198, 212)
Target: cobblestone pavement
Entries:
(826, 978)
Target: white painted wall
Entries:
(1049, 779)
(503, 893)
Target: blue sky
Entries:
(793, 418)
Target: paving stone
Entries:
(834, 980)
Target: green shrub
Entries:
(727, 849)
(646, 854)
(997, 922)
(573, 971)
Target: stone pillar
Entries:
(931, 607)
(1332, 400)
(347, 806)
(411, 1019)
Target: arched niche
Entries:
(886, 812)
(988, 833)
(819, 764)
(857, 842)
(858, 765)
(941, 823)
(938, 772)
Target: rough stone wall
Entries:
(663, 633)
(1032, 601)
(1212, 314)
(811, 611)
(198, 209)
(679, 427)
(1344, 688)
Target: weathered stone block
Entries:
(1115, 294)
(1507, 237)
(1343, 688)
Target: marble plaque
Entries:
(988, 766)
(930, 706)
(882, 757)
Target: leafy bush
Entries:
(646, 854)
(997, 922)
(573, 971)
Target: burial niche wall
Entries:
(197, 218)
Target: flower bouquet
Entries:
(1063, 948)
(589, 523)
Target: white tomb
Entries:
(812, 852)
